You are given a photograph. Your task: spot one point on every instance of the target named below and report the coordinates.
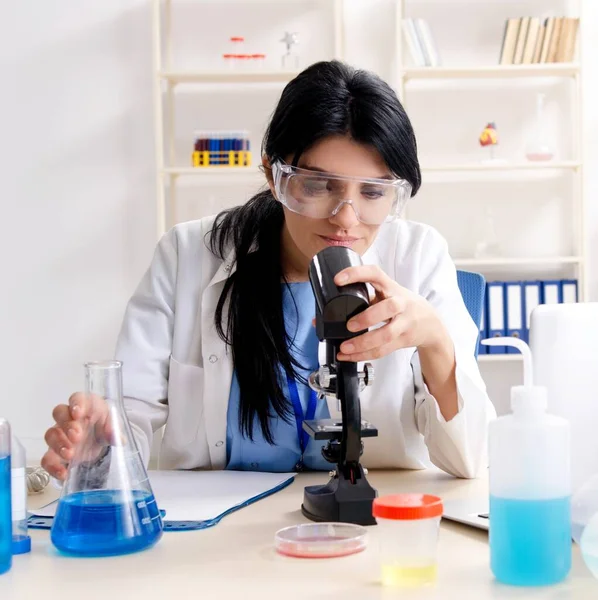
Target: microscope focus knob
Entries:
(324, 377)
(368, 370)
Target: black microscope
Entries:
(348, 496)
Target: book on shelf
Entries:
(420, 42)
(529, 40)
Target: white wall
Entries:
(79, 221)
(78, 226)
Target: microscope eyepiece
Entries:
(335, 305)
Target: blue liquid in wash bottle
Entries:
(530, 503)
(531, 540)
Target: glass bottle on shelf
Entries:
(487, 245)
(539, 146)
(290, 59)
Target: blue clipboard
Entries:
(43, 521)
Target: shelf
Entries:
(425, 169)
(509, 262)
(493, 72)
(506, 166)
(208, 171)
(227, 76)
(499, 357)
(194, 176)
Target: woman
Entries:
(218, 339)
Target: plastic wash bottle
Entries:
(530, 487)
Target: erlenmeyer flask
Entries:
(107, 506)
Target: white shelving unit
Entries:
(406, 74)
(262, 76)
(521, 261)
(170, 79)
(523, 166)
(492, 72)
(167, 80)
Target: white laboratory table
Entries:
(236, 559)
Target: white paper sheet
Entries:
(202, 495)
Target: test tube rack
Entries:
(221, 149)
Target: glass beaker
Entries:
(21, 541)
(107, 506)
(589, 545)
(584, 505)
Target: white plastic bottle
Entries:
(530, 487)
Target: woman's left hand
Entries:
(410, 320)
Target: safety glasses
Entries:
(322, 195)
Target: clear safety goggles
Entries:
(322, 195)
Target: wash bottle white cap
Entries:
(530, 485)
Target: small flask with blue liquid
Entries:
(5, 499)
(107, 506)
(530, 486)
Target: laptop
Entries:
(565, 361)
(473, 512)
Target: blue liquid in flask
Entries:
(530, 540)
(5, 516)
(106, 523)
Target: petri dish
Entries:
(321, 540)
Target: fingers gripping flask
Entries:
(107, 506)
(530, 488)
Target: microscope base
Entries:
(340, 501)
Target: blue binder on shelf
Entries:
(552, 292)
(514, 312)
(482, 349)
(532, 297)
(495, 314)
(569, 291)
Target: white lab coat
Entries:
(177, 371)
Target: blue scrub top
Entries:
(285, 454)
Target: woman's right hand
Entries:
(73, 423)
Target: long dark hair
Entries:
(327, 98)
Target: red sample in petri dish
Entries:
(321, 540)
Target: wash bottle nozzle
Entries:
(527, 396)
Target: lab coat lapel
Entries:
(218, 367)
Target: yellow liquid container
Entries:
(408, 526)
(397, 575)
